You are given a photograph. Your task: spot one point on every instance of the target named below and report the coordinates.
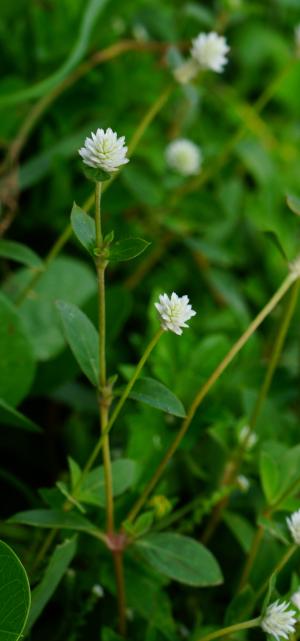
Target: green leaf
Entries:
(270, 477)
(16, 355)
(55, 570)
(293, 202)
(15, 595)
(141, 525)
(152, 392)
(92, 490)
(110, 635)
(84, 228)
(276, 242)
(127, 249)
(20, 253)
(241, 606)
(65, 278)
(54, 519)
(82, 338)
(10, 416)
(180, 558)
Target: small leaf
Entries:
(293, 202)
(269, 474)
(84, 228)
(20, 253)
(59, 562)
(10, 416)
(152, 392)
(276, 242)
(95, 174)
(180, 558)
(15, 595)
(141, 525)
(92, 490)
(82, 338)
(54, 519)
(127, 249)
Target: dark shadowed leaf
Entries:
(10, 416)
(82, 338)
(15, 595)
(20, 253)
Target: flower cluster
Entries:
(293, 523)
(174, 311)
(104, 150)
(184, 156)
(279, 620)
(208, 51)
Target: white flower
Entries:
(295, 599)
(247, 437)
(294, 526)
(174, 312)
(104, 150)
(184, 156)
(279, 620)
(209, 50)
(97, 590)
(243, 483)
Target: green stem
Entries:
(206, 388)
(252, 623)
(119, 572)
(149, 117)
(119, 406)
(278, 567)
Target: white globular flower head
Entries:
(293, 523)
(279, 620)
(184, 156)
(209, 50)
(104, 150)
(174, 311)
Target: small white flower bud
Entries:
(174, 311)
(104, 150)
(184, 156)
(98, 591)
(293, 523)
(295, 267)
(247, 438)
(186, 72)
(295, 599)
(279, 620)
(243, 483)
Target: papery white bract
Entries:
(174, 311)
(247, 438)
(295, 599)
(184, 156)
(279, 620)
(293, 523)
(209, 51)
(104, 150)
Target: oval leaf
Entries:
(54, 519)
(152, 392)
(293, 203)
(15, 595)
(269, 473)
(84, 228)
(20, 253)
(180, 558)
(127, 249)
(59, 562)
(92, 490)
(82, 338)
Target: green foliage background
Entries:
(209, 243)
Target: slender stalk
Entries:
(119, 572)
(104, 400)
(235, 461)
(252, 623)
(206, 388)
(278, 567)
(251, 556)
(119, 406)
(149, 117)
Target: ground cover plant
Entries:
(149, 320)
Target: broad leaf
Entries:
(270, 476)
(15, 595)
(127, 249)
(54, 519)
(84, 229)
(16, 355)
(92, 490)
(154, 393)
(10, 416)
(82, 338)
(20, 253)
(180, 558)
(59, 562)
